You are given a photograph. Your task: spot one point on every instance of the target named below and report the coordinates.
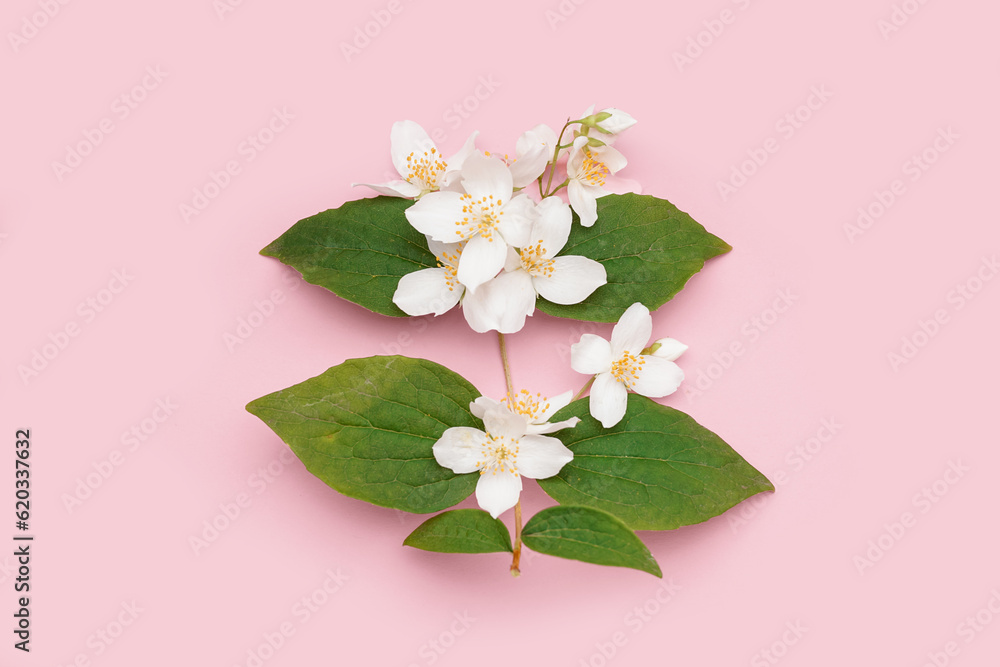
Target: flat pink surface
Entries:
(880, 546)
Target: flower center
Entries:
(479, 217)
(534, 261)
(425, 170)
(593, 170)
(532, 407)
(498, 455)
(626, 369)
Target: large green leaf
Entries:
(656, 469)
(358, 251)
(590, 535)
(461, 531)
(367, 426)
(649, 248)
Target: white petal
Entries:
(446, 253)
(483, 176)
(497, 492)
(435, 215)
(479, 406)
(552, 225)
(459, 448)
(502, 423)
(392, 188)
(405, 138)
(632, 331)
(555, 404)
(583, 202)
(519, 214)
(542, 429)
(573, 279)
(456, 161)
(608, 400)
(481, 260)
(532, 156)
(657, 377)
(669, 348)
(611, 157)
(426, 291)
(501, 304)
(591, 355)
(541, 456)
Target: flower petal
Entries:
(435, 215)
(459, 449)
(484, 176)
(657, 377)
(456, 161)
(533, 154)
(583, 202)
(543, 429)
(608, 400)
(502, 423)
(541, 456)
(479, 406)
(501, 304)
(573, 279)
(481, 260)
(611, 157)
(407, 137)
(554, 405)
(590, 355)
(497, 492)
(632, 331)
(393, 188)
(427, 291)
(519, 214)
(551, 226)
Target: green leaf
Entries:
(367, 426)
(649, 249)
(657, 469)
(590, 535)
(358, 251)
(461, 531)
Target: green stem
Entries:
(506, 370)
(584, 388)
(515, 565)
(555, 157)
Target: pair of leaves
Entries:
(578, 533)
(359, 251)
(367, 428)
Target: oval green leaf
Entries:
(367, 426)
(358, 251)
(465, 531)
(590, 535)
(649, 248)
(656, 469)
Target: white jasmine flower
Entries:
(620, 366)
(487, 215)
(502, 454)
(588, 169)
(432, 290)
(422, 167)
(534, 408)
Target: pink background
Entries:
(816, 376)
